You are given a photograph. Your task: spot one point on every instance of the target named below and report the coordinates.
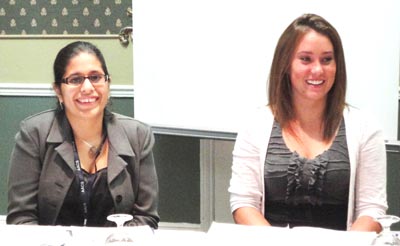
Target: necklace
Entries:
(94, 151)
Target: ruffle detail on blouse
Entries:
(305, 179)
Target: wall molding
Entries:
(46, 90)
(202, 134)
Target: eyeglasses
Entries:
(79, 79)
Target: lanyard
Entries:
(84, 197)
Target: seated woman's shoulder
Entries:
(355, 112)
(362, 118)
(40, 118)
(128, 121)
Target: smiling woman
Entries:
(84, 102)
(99, 162)
(314, 66)
(306, 158)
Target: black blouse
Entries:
(100, 202)
(307, 192)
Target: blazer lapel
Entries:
(120, 155)
(61, 132)
(119, 147)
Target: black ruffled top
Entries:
(307, 192)
(100, 202)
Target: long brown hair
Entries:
(279, 89)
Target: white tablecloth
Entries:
(261, 235)
(219, 233)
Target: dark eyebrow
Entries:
(311, 53)
(90, 73)
(304, 53)
(328, 53)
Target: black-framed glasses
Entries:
(79, 79)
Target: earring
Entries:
(61, 105)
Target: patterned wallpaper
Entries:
(64, 16)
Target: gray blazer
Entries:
(42, 169)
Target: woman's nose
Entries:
(86, 85)
(317, 68)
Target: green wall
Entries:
(30, 60)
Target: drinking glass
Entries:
(386, 237)
(119, 237)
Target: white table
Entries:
(24, 235)
(260, 235)
(219, 233)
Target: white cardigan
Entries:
(367, 154)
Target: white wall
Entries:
(201, 64)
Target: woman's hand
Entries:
(366, 223)
(249, 216)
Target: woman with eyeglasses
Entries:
(79, 163)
